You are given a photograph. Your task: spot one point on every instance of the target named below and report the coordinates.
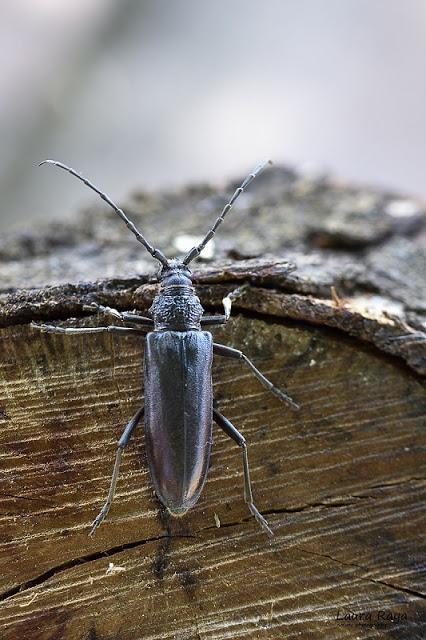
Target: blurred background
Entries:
(151, 94)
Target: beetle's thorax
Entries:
(176, 307)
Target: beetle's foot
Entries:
(99, 519)
(260, 519)
(229, 299)
(100, 308)
(285, 398)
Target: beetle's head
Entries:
(175, 273)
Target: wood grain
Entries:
(342, 483)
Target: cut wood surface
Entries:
(341, 481)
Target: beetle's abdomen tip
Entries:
(177, 507)
(177, 512)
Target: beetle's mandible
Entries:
(178, 411)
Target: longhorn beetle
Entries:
(179, 408)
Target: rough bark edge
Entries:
(390, 334)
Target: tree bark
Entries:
(334, 314)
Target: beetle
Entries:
(179, 407)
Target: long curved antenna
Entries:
(195, 251)
(158, 255)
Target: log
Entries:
(334, 314)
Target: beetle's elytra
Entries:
(178, 411)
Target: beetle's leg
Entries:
(50, 328)
(212, 320)
(232, 432)
(125, 316)
(228, 352)
(227, 305)
(121, 444)
(233, 295)
(130, 316)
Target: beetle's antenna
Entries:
(195, 251)
(158, 255)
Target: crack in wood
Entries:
(336, 502)
(413, 592)
(166, 541)
(91, 557)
